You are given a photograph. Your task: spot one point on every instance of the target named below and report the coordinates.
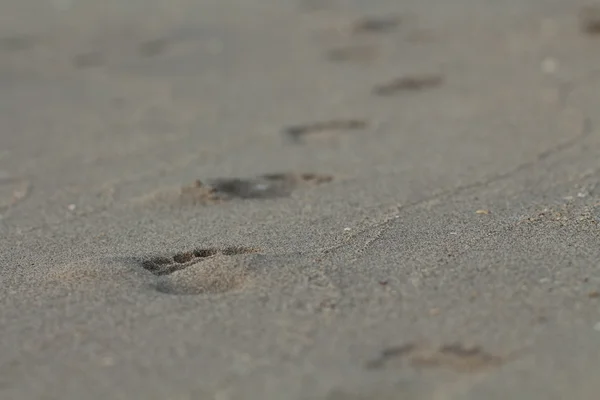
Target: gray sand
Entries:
(329, 200)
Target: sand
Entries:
(325, 200)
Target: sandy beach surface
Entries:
(299, 199)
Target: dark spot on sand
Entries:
(266, 186)
(296, 132)
(589, 19)
(17, 43)
(222, 190)
(376, 24)
(161, 265)
(298, 178)
(389, 353)
(253, 188)
(88, 60)
(411, 83)
(152, 48)
(451, 356)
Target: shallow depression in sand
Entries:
(217, 274)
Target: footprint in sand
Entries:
(201, 271)
(262, 187)
(298, 132)
(453, 356)
(409, 83)
(266, 186)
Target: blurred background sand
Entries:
(260, 199)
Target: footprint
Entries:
(254, 188)
(383, 24)
(200, 271)
(411, 83)
(217, 191)
(266, 186)
(297, 132)
(451, 356)
(261, 187)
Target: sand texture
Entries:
(299, 199)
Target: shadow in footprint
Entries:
(167, 265)
(216, 275)
(452, 356)
(256, 188)
(200, 271)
